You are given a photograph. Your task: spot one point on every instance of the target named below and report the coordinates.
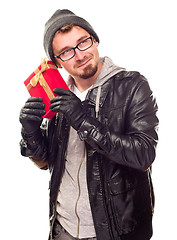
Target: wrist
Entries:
(32, 139)
(90, 126)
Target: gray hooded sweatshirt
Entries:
(73, 207)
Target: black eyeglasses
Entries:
(71, 52)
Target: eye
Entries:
(67, 52)
(84, 42)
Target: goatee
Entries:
(89, 71)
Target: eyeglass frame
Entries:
(74, 48)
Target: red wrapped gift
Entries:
(42, 82)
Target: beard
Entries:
(89, 71)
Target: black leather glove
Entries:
(30, 115)
(70, 105)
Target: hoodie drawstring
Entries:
(98, 101)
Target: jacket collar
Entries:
(92, 94)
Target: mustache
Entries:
(80, 62)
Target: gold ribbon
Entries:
(39, 78)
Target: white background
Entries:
(138, 35)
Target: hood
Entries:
(109, 69)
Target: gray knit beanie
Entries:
(58, 20)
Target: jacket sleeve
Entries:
(35, 147)
(135, 147)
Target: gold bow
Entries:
(39, 78)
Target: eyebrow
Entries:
(68, 47)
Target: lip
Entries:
(84, 63)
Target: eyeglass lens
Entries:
(82, 46)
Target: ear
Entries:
(58, 65)
(96, 43)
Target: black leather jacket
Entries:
(120, 147)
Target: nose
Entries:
(79, 55)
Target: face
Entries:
(85, 64)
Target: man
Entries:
(100, 145)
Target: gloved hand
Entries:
(70, 105)
(30, 115)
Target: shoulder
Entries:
(130, 76)
(129, 85)
(129, 80)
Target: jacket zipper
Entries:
(105, 207)
(54, 134)
(55, 208)
(64, 155)
(79, 188)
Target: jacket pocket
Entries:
(130, 199)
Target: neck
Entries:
(84, 84)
